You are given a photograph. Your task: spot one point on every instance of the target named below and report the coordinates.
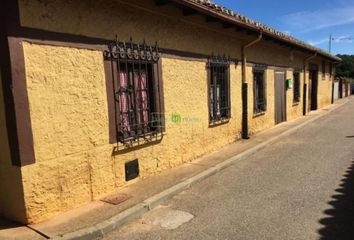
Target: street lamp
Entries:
(337, 38)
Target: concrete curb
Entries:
(101, 229)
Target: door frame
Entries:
(285, 109)
(313, 86)
(340, 88)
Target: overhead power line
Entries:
(331, 38)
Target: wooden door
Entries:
(313, 86)
(280, 99)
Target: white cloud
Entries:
(307, 21)
(319, 42)
(287, 32)
(335, 39)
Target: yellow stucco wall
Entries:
(148, 22)
(258, 123)
(67, 97)
(294, 110)
(11, 191)
(68, 108)
(324, 96)
(324, 86)
(68, 102)
(143, 20)
(267, 120)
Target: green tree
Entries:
(345, 69)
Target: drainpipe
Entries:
(245, 134)
(332, 80)
(305, 84)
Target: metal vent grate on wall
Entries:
(131, 170)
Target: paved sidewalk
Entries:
(97, 218)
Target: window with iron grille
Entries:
(137, 89)
(219, 89)
(259, 91)
(296, 87)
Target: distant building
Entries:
(83, 112)
(341, 88)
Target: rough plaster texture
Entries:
(68, 105)
(264, 121)
(260, 122)
(324, 86)
(324, 96)
(68, 102)
(294, 110)
(167, 26)
(119, 17)
(74, 162)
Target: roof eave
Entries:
(232, 20)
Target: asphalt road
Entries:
(300, 187)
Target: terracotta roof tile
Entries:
(260, 26)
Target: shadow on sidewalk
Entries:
(5, 224)
(339, 225)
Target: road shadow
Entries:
(339, 225)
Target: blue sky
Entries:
(309, 20)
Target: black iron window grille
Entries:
(219, 89)
(136, 90)
(296, 87)
(259, 90)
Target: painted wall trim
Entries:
(82, 42)
(17, 110)
(110, 75)
(45, 37)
